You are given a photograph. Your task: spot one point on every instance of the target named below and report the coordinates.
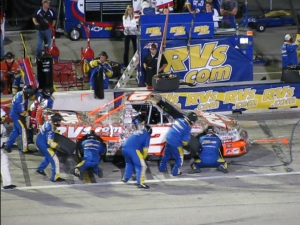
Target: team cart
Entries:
(117, 125)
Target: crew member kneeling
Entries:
(46, 144)
(210, 153)
(135, 151)
(92, 149)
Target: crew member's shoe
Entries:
(75, 172)
(100, 173)
(124, 180)
(192, 171)
(59, 180)
(7, 149)
(222, 168)
(144, 186)
(41, 172)
(9, 187)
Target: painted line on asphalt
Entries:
(191, 178)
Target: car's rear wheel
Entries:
(260, 27)
(74, 34)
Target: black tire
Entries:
(260, 27)
(291, 75)
(193, 147)
(74, 34)
(165, 82)
(66, 145)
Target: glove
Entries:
(298, 39)
(25, 113)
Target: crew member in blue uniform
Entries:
(18, 113)
(43, 99)
(92, 148)
(289, 51)
(46, 144)
(98, 66)
(178, 135)
(135, 151)
(210, 153)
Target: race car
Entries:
(273, 18)
(151, 108)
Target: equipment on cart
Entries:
(165, 82)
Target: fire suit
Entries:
(135, 151)
(178, 135)
(6, 178)
(46, 144)
(209, 156)
(107, 73)
(18, 113)
(10, 71)
(92, 149)
(45, 103)
(289, 54)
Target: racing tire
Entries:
(66, 145)
(260, 27)
(74, 34)
(193, 147)
(165, 82)
(291, 75)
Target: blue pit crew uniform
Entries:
(98, 67)
(289, 54)
(18, 113)
(135, 152)
(46, 144)
(210, 153)
(178, 135)
(92, 149)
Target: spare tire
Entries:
(165, 82)
(193, 147)
(291, 75)
(66, 145)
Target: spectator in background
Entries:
(209, 9)
(228, 9)
(195, 6)
(2, 30)
(44, 19)
(289, 51)
(130, 32)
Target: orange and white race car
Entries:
(117, 125)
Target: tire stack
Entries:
(165, 82)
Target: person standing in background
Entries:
(44, 19)
(2, 29)
(289, 51)
(130, 32)
(209, 9)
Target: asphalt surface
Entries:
(261, 187)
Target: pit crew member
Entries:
(5, 174)
(18, 113)
(46, 144)
(11, 71)
(101, 65)
(289, 51)
(92, 148)
(210, 153)
(195, 6)
(44, 100)
(135, 151)
(178, 135)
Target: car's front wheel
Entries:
(260, 27)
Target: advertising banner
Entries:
(237, 98)
(206, 60)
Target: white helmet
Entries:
(288, 37)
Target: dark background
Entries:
(19, 12)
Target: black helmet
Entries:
(210, 129)
(55, 118)
(148, 128)
(9, 55)
(91, 135)
(29, 91)
(191, 117)
(47, 92)
(103, 53)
